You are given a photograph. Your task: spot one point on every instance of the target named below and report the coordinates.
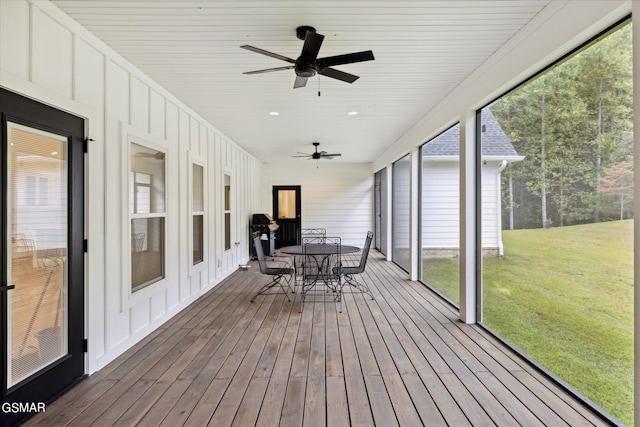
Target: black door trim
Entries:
(62, 374)
(288, 232)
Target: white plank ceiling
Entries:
(423, 50)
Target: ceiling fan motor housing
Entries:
(304, 65)
(301, 32)
(305, 70)
(316, 155)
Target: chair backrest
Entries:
(257, 243)
(312, 232)
(315, 258)
(365, 252)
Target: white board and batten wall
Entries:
(335, 196)
(47, 56)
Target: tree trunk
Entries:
(599, 133)
(562, 202)
(543, 183)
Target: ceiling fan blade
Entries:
(311, 47)
(300, 156)
(267, 53)
(268, 70)
(348, 58)
(332, 155)
(337, 74)
(300, 82)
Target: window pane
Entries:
(557, 221)
(227, 192)
(31, 193)
(286, 204)
(36, 250)
(43, 191)
(147, 183)
(400, 211)
(227, 231)
(440, 204)
(198, 239)
(147, 251)
(227, 212)
(198, 188)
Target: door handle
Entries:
(7, 287)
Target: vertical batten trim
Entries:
(129, 98)
(149, 108)
(74, 65)
(32, 55)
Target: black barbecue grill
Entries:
(265, 227)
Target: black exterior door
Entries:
(42, 254)
(286, 213)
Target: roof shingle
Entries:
(494, 140)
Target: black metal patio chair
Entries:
(349, 273)
(320, 256)
(278, 268)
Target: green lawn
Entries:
(564, 296)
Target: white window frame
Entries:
(136, 136)
(197, 160)
(227, 210)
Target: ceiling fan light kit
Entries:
(308, 64)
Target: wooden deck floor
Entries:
(401, 359)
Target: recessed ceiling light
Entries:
(54, 153)
(274, 113)
(352, 113)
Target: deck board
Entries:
(402, 358)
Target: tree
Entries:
(571, 123)
(605, 85)
(618, 182)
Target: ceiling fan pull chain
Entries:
(318, 85)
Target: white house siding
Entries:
(338, 197)
(441, 208)
(490, 226)
(45, 55)
(400, 209)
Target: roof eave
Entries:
(509, 159)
